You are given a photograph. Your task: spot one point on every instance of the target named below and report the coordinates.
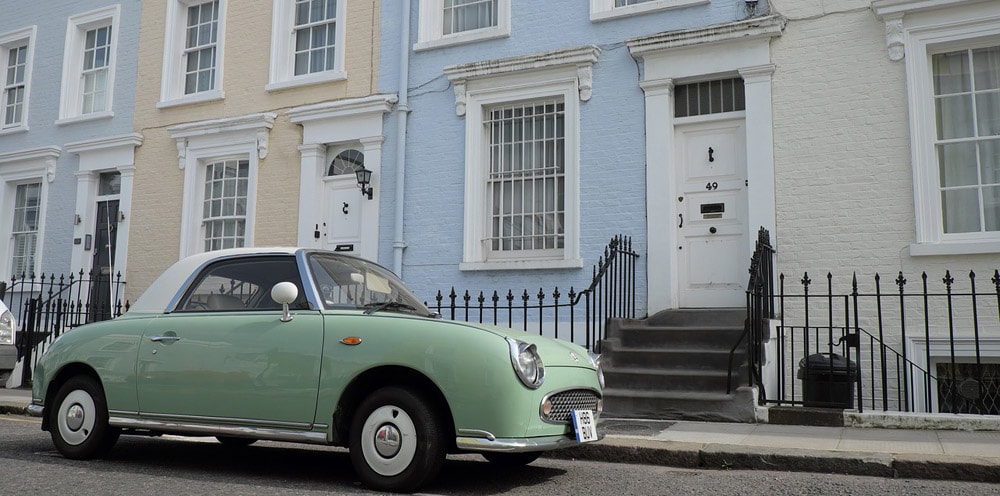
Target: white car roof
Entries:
(159, 294)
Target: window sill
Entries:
(954, 248)
(574, 263)
(85, 118)
(14, 130)
(641, 8)
(205, 96)
(459, 39)
(306, 80)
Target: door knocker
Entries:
(711, 158)
(345, 208)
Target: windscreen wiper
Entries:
(371, 308)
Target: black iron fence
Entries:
(46, 306)
(760, 311)
(581, 315)
(929, 346)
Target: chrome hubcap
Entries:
(75, 417)
(387, 440)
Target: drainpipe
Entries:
(402, 111)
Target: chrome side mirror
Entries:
(284, 293)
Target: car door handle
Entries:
(161, 339)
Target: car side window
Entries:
(242, 284)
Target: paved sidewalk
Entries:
(907, 453)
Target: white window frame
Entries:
(932, 27)
(23, 167)
(283, 49)
(602, 10)
(205, 142)
(430, 31)
(476, 254)
(71, 100)
(7, 41)
(172, 80)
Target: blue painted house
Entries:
(66, 137)
(529, 133)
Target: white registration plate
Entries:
(584, 426)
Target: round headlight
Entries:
(527, 364)
(600, 370)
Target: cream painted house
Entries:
(254, 117)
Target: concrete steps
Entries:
(675, 365)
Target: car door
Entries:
(224, 355)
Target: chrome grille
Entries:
(564, 402)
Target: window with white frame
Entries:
(224, 209)
(24, 229)
(952, 57)
(88, 68)
(449, 22)
(15, 54)
(610, 9)
(220, 159)
(193, 47)
(522, 176)
(307, 42)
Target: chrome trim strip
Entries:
(221, 430)
(514, 445)
(478, 433)
(170, 418)
(36, 410)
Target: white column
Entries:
(661, 236)
(760, 150)
(85, 188)
(371, 211)
(125, 207)
(310, 188)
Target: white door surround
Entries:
(739, 49)
(324, 126)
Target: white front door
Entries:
(711, 223)
(345, 223)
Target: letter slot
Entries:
(712, 210)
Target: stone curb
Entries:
(734, 457)
(13, 409)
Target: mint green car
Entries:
(316, 347)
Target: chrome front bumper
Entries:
(514, 445)
(36, 410)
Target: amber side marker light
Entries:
(351, 340)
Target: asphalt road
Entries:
(155, 466)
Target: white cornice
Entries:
(884, 8)
(582, 58)
(760, 27)
(49, 155)
(342, 108)
(133, 140)
(252, 124)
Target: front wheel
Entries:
(512, 459)
(396, 442)
(79, 425)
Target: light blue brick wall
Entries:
(50, 17)
(612, 148)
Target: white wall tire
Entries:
(79, 423)
(396, 441)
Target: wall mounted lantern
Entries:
(364, 179)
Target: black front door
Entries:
(102, 270)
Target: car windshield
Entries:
(352, 283)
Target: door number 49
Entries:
(712, 186)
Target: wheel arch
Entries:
(65, 373)
(374, 379)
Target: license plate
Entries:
(584, 426)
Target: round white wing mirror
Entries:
(284, 293)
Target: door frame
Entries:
(668, 61)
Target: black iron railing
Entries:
(760, 309)
(929, 347)
(582, 314)
(46, 306)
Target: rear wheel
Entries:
(79, 424)
(396, 441)
(512, 459)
